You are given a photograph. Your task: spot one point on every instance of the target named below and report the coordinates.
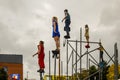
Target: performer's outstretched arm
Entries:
(35, 54)
(39, 49)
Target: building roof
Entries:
(11, 58)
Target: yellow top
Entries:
(101, 48)
(86, 32)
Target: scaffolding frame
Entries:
(78, 58)
(87, 53)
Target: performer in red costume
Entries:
(41, 55)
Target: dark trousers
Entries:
(67, 27)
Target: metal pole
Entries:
(110, 59)
(87, 59)
(70, 56)
(85, 54)
(55, 66)
(93, 58)
(100, 73)
(93, 62)
(80, 51)
(49, 67)
(116, 62)
(72, 63)
(76, 61)
(84, 41)
(67, 61)
(89, 67)
(41, 78)
(59, 66)
(73, 49)
(108, 55)
(99, 68)
(91, 75)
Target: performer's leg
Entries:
(57, 42)
(87, 38)
(67, 28)
(41, 64)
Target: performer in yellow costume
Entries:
(87, 35)
(101, 52)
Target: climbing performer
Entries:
(87, 35)
(67, 23)
(101, 53)
(56, 35)
(41, 56)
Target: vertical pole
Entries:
(116, 62)
(80, 51)
(100, 73)
(55, 67)
(87, 59)
(67, 60)
(59, 66)
(49, 67)
(41, 78)
(76, 61)
(89, 68)
(99, 68)
(89, 64)
(72, 63)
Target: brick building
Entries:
(13, 64)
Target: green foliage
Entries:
(84, 74)
(3, 74)
(92, 70)
(110, 75)
(25, 78)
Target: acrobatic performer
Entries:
(56, 35)
(41, 56)
(101, 53)
(87, 35)
(67, 23)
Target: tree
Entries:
(83, 74)
(3, 74)
(91, 71)
(104, 68)
(110, 75)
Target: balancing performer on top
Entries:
(67, 23)
(41, 56)
(87, 35)
(56, 35)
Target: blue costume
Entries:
(54, 34)
(67, 23)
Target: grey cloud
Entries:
(110, 15)
(24, 22)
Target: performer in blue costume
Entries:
(67, 23)
(56, 34)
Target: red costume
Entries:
(41, 56)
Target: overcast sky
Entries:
(23, 23)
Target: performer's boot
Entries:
(56, 53)
(42, 71)
(67, 36)
(87, 46)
